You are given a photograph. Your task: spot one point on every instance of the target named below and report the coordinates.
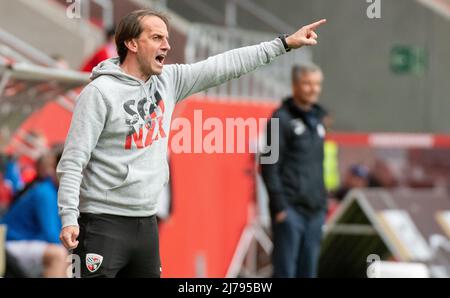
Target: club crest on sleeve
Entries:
(93, 262)
(298, 126)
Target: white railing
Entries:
(13, 46)
(25, 87)
(269, 82)
(264, 16)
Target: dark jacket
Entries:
(296, 179)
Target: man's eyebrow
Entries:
(159, 34)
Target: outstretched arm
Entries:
(192, 78)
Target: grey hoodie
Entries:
(114, 159)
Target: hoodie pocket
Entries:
(140, 187)
(125, 181)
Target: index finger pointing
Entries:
(316, 24)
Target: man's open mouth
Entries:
(160, 59)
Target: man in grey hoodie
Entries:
(114, 162)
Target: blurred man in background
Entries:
(295, 183)
(106, 51)
(33, 224)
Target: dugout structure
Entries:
(408, 221)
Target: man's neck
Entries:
(302, 105)
(131, 67)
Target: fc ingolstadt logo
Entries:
(93, 262)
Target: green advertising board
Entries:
(408, 60)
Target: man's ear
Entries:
(131, 45)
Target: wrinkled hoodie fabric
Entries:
(115, 154)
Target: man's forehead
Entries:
(154, 24)
(311, 73)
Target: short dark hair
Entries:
(130, 27)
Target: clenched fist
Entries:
(69, 236)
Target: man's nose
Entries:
(166, 45)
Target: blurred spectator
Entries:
(33, 225)
(357, 176)
(381, 175)
(13, 88)
(12, 174)
(108, 50)
(13, 268)
(28, 174)
(5, 195)
(60, 61)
